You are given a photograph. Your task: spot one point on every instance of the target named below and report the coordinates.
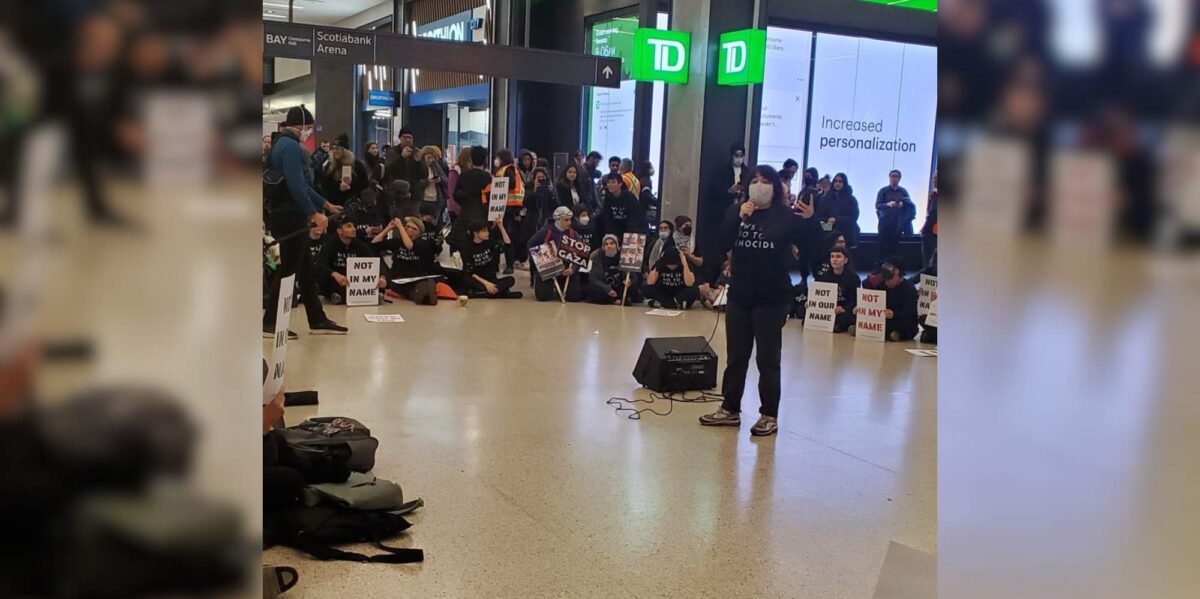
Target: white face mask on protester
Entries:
(496, 163)
(664, 235)
(583, 220)
(738, 160)
(761, 194)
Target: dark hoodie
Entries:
(847, 283)
(843, 206)
(667, 277)
(550, 233)
(334, 254)
(415, 262)
(619, 215)
(901, 300)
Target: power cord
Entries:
(673, 397)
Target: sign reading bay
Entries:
(353, 47)
(661, 55)
(743, 57)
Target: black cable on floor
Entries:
(672, 398)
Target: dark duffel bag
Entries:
(321, 432)
(315, 529)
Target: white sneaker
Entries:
(721, 418)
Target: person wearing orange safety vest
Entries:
(630, 179)
(506, 167)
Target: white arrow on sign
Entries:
(607, 72)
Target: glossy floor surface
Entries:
(495, 414)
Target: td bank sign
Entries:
(662, 55)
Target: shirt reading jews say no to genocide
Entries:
(761, 247)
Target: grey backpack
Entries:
(362, 492)
(320, 432)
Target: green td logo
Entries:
(743, 55)
(660, 55)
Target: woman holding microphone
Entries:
(760, 233)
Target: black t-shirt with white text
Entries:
(761, 254)
(415, 262)
(483, 258)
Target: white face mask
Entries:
(305, 134)
(761, 194)
(738, 160)
(496, 163)
(583, 220)
(664, 235)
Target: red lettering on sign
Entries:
(871, 326)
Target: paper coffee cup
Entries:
(462, 300)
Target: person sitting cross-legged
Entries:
(607, 282)
(331, 263)
(671, 283)
(412, 256)
(481, 264)
(569, 282)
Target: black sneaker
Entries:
(269, 333)
(328, 327)
(687, 305)
(508, 269)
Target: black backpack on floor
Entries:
(314, 529)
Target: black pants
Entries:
(671, 297)
(907, 330)
(293, 259)
(928, 247)
(597, 291)
(747, 328)
(842, 322)
(889, 237)
(419, 292)
(572, 287)
(516, 251)
(476, 289)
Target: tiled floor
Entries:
(495, 414)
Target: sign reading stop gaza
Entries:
(576, 251)
(822, 300)
(872, 322)
(363, 288)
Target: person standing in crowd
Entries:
(790, 168)
(810, 193)
(526, 162)
(412, 256)
(840, 271)
(586, 183)
(507, 167)
(266, 147)
(891, 204)
(735, 177)
(812, 244)
(320, 156)
(606, 281)
(659, 244)
(570, 282)
(566, 190)
(461, 165)
(591, 166)
(619, 210)
(838, 210)
(481, 264)
(789, 198)
(630, 179)
(540, 203)
(759, 234)
(295, 206)
(614, 165)
(901, 312)
(648, 202)
(433, 192)
(339, 189)
(331, 263)
(929, 230)
(402, 162)
(471, 194)
(373, 161)
(671, 282)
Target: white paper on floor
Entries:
(923, 353)
(661, 312)
(383, 317)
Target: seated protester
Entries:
(570, 281)
(687, 244)
(840, 270)
(671, 283)
(710, 294)
(584, 225)
(481, 264)
(619, 212)
(331, 263)
(432, 233)
(369, 214)
(928, 333)
(606, 282)
(335, 186)
(659, 244)
(901, 313)
(412, 256)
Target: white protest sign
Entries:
(283, 317)
(408, 280)
(923, 353)
(383, 317)
(497, 198)
(363, 289)
(927, 294)
(633, 248)
(871, 323)
(931, 318)
(662, 312)
(347, 173)
(822, 300)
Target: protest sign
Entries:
(546, 261)
(822, 300)
(347, 174)
(408, 280)
(576, 251)
(633, 250)
(871, 322)
(927, 294)
(283, 315)
(931, 318)
(662, 312)
(497, 198)
(383, 317)
(363, 289)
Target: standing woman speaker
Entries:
(760, 233)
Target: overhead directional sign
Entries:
(291, 40)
